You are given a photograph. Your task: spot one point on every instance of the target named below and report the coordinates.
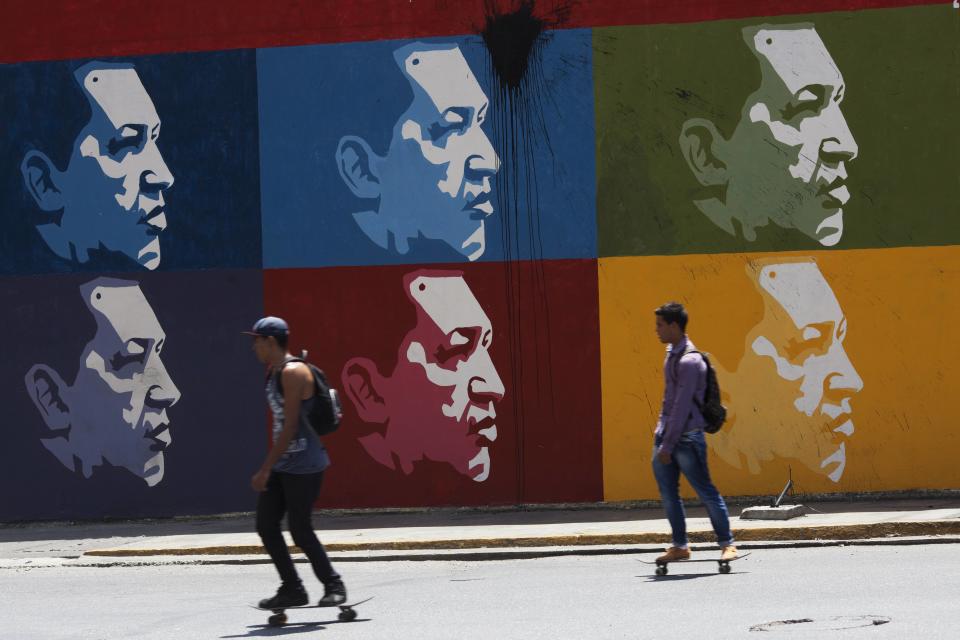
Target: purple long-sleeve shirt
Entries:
(685, 375)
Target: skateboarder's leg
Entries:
(668, 481)
(271, 506)
(301, 491)
(693, 464)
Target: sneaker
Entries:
(288, 595)
(729, 553)
(673, 554)
(334, 593)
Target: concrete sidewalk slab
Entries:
(781, 512)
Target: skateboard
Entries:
(723, 566)
(279, 617)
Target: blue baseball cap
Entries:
(269, 326)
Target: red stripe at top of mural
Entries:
(61, 29)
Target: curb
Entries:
(844, 533)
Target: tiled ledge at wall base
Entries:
(755, 531)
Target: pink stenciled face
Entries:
(443, 393)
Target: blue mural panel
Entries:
(130, 165)
(398, 152)
(130, 396)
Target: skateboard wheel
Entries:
(725, 568)
(347, 615)
(661, 571)
(277, 620)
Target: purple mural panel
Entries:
(126, 397)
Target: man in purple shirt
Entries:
(679, 444)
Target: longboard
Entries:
(723, 566)
(279, 617)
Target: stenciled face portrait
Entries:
(111, 193)
(439, 402)
(115, 411)
(435, 180)
(786, 161)
(791, 395)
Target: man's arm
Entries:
(294, 377)
(689, 370)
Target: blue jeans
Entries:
(690, 457)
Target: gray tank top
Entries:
(306, 453)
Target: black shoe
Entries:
(334, 593)
(288, 595)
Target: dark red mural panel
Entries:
(461, 386)
(53, 29)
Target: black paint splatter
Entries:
(510, 38)
(515, 41)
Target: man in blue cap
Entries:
(290, 477)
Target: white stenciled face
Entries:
(807, 350)
(793, 144)
(114, 184)
(436, 176)
(444, 391)
(120, 398)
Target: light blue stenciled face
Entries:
(113, 188)
(435, 179)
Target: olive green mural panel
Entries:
(800, 132)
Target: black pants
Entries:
(293, 494)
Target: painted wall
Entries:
(468, 216)
(799, 195)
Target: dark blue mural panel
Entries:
(130, 165)
(130, 396)
(420, 152)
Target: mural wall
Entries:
(468, 218)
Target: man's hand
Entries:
(259, 480)
(663, 457)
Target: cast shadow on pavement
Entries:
(685, 576)
(268, 631)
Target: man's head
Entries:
(791, 392)
(438, 402)
(785, 161)
(671, 322)
(434, 179)
(270, 338)
(115, 410)
(109, 193)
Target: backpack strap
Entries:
(706, 361)
(278, 373)
(676, 365)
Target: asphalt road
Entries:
(844, 592)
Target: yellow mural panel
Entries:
(838, 367)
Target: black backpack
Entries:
(325, 414)
(711, 408)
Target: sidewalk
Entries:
(448, 533)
